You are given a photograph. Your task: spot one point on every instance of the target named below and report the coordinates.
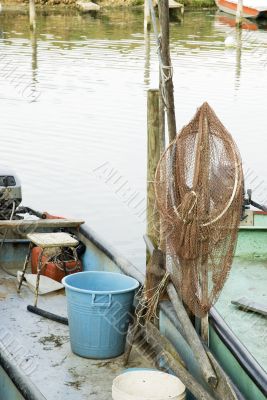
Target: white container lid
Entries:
(147, 385)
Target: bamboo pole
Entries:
(163, 7)
(239, 14)
(189, 331)
(32, 14)
(153, 156)
(147, 19)
(192, 337)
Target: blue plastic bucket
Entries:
(99, 312)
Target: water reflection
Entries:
(33, 40)
(89, 76)
(238, 56)
(147, 58)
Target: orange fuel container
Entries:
(51, 269)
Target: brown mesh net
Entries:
(199, 194)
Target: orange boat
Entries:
(251, 8)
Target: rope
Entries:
(147, 306)
(165, 77)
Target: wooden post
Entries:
(161, 119)
(239, 13)
(192, 337)
(32, 14)
(153, 156)
(166, 69)
(162, 148)
(147, 20)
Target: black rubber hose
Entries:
(24, 210)
(47, 314)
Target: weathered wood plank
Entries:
(250, 305)
(40, 223)
(172, 4)
(87, 6)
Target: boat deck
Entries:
(247, 279)
(41, 348)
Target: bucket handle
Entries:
(106, 304)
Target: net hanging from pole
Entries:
(199, 194)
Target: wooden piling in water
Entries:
(167, 83)
(239, 14)
(32, 14)
(147, 19)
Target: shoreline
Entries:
(104, 4)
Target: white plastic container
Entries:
(147, 385)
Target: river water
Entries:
(73, 108)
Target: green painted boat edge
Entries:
(8, 390)
(23, 387)
(236, 360)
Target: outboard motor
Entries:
(10, 194)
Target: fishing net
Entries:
(199, 194)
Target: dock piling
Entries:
(153, 156)
(239, 14)
(32, 15)
(147, 19)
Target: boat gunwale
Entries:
(122, 262)
(239, 351)
(21, 381)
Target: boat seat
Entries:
(46, 241)
(52, 239)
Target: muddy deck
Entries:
(41, 348)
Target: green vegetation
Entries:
(108, 3)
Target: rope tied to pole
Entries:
(166, 70)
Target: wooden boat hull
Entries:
(248, 12)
